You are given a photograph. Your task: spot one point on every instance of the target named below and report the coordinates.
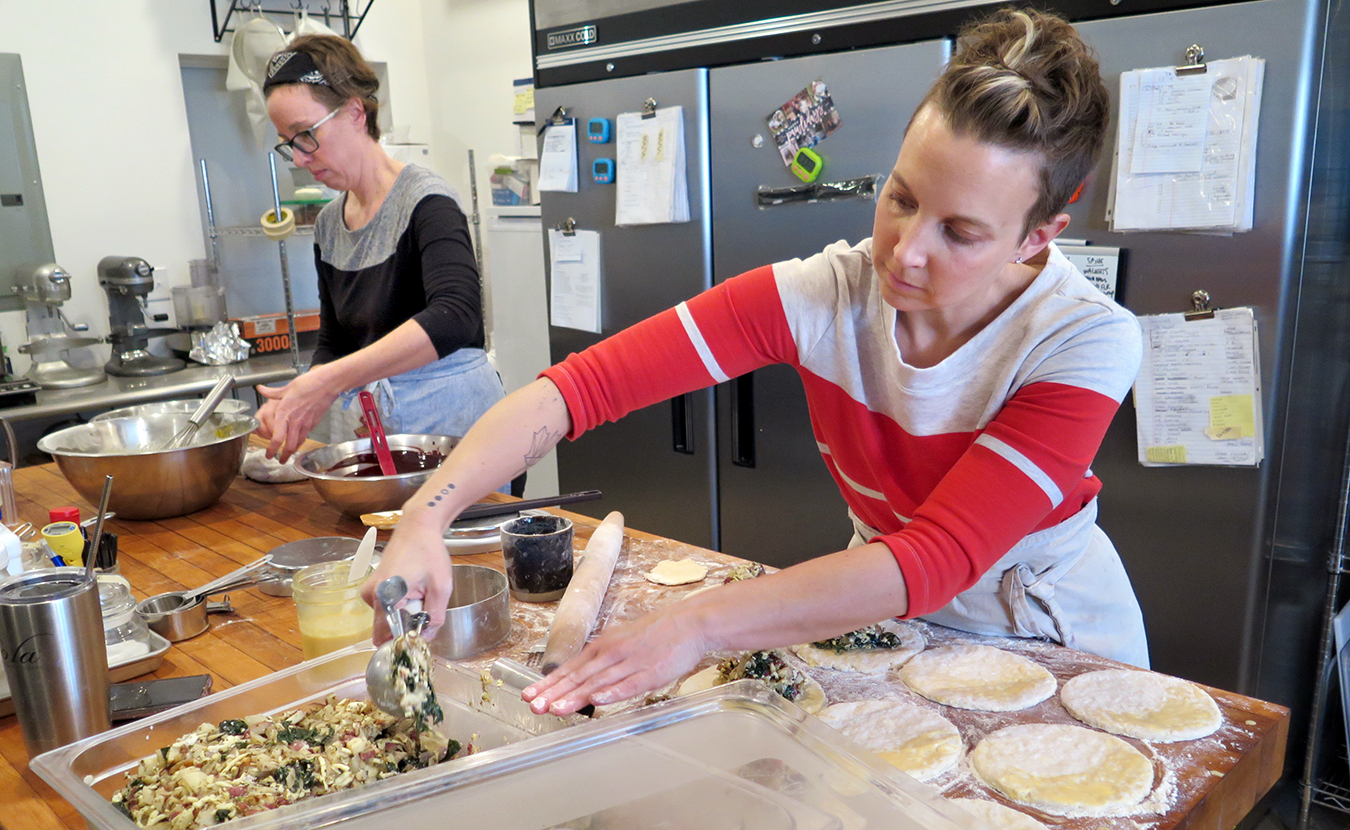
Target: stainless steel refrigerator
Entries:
(1228, 563)
(742, 473)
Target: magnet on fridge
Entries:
(597, 131)
(602, 170)
(807, 164)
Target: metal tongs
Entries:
(380, 672)
(204, 411)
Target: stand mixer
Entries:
(128, 280)
(48, 340)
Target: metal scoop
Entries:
(208, 405)
(380, 670)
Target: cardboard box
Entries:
(268, 333)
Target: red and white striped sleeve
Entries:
(724, 332)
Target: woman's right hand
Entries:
(292, 411)
(417, 553)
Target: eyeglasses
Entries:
(304, 141)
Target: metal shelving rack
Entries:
(343, 12)
(1315, 790)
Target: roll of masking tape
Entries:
(278, 230)
(66, 541)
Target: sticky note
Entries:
(1231, 412)
(1175, 454)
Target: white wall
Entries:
(111, 129)
(474, 50)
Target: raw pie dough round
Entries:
(867, 660)
(919, 741)
(1141, 704)
(996, 815)
(676, 572)
(1061, 769)
(978, 677)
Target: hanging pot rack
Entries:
(342, 16)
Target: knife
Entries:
(478, 511)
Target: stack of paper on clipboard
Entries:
(650, 172)
(558, 158)
(574, 257)
(1197, 397)
(1186, 147)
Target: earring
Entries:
(1019, 260)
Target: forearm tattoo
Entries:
(445, 491)
(540, 443)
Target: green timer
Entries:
(807, 164)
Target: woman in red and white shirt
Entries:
(960, 373)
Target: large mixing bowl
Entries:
(229, 406)
(369, 494)
(149, 483)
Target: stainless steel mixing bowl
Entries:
(229, 406)
(369, 494)
(150, 483)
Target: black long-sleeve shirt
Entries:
(413, 260)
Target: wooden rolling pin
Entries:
(580, 605)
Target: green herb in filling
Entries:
(870, 638)
(233, 726)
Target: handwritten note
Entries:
(1197, 397)
(1099, 264)
(1173, 116)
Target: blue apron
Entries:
(444, 397)
(1065, 584)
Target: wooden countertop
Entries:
(1210, 784)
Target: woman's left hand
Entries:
(626, 662)
(292, 411)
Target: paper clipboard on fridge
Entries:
(1186, 139)
(1198, 394)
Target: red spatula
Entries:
(377, 438)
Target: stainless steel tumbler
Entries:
(51, 640)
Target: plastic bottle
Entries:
(12, 556)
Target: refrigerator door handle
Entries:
(743, 420)
(682, 423)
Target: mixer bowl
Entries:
(229, 406)
(369, 494)
(151, 483)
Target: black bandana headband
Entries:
(293, 68)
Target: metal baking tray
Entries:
(734, 756)
(117, 672)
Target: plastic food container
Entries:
(735, 756)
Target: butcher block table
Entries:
(1208, 784)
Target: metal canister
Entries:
(51, 638)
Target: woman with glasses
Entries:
(400, 307)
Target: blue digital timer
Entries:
(597, 131)
(602, 170)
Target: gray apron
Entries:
(1065, 584)
(444, 397)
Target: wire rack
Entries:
(342, 16)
